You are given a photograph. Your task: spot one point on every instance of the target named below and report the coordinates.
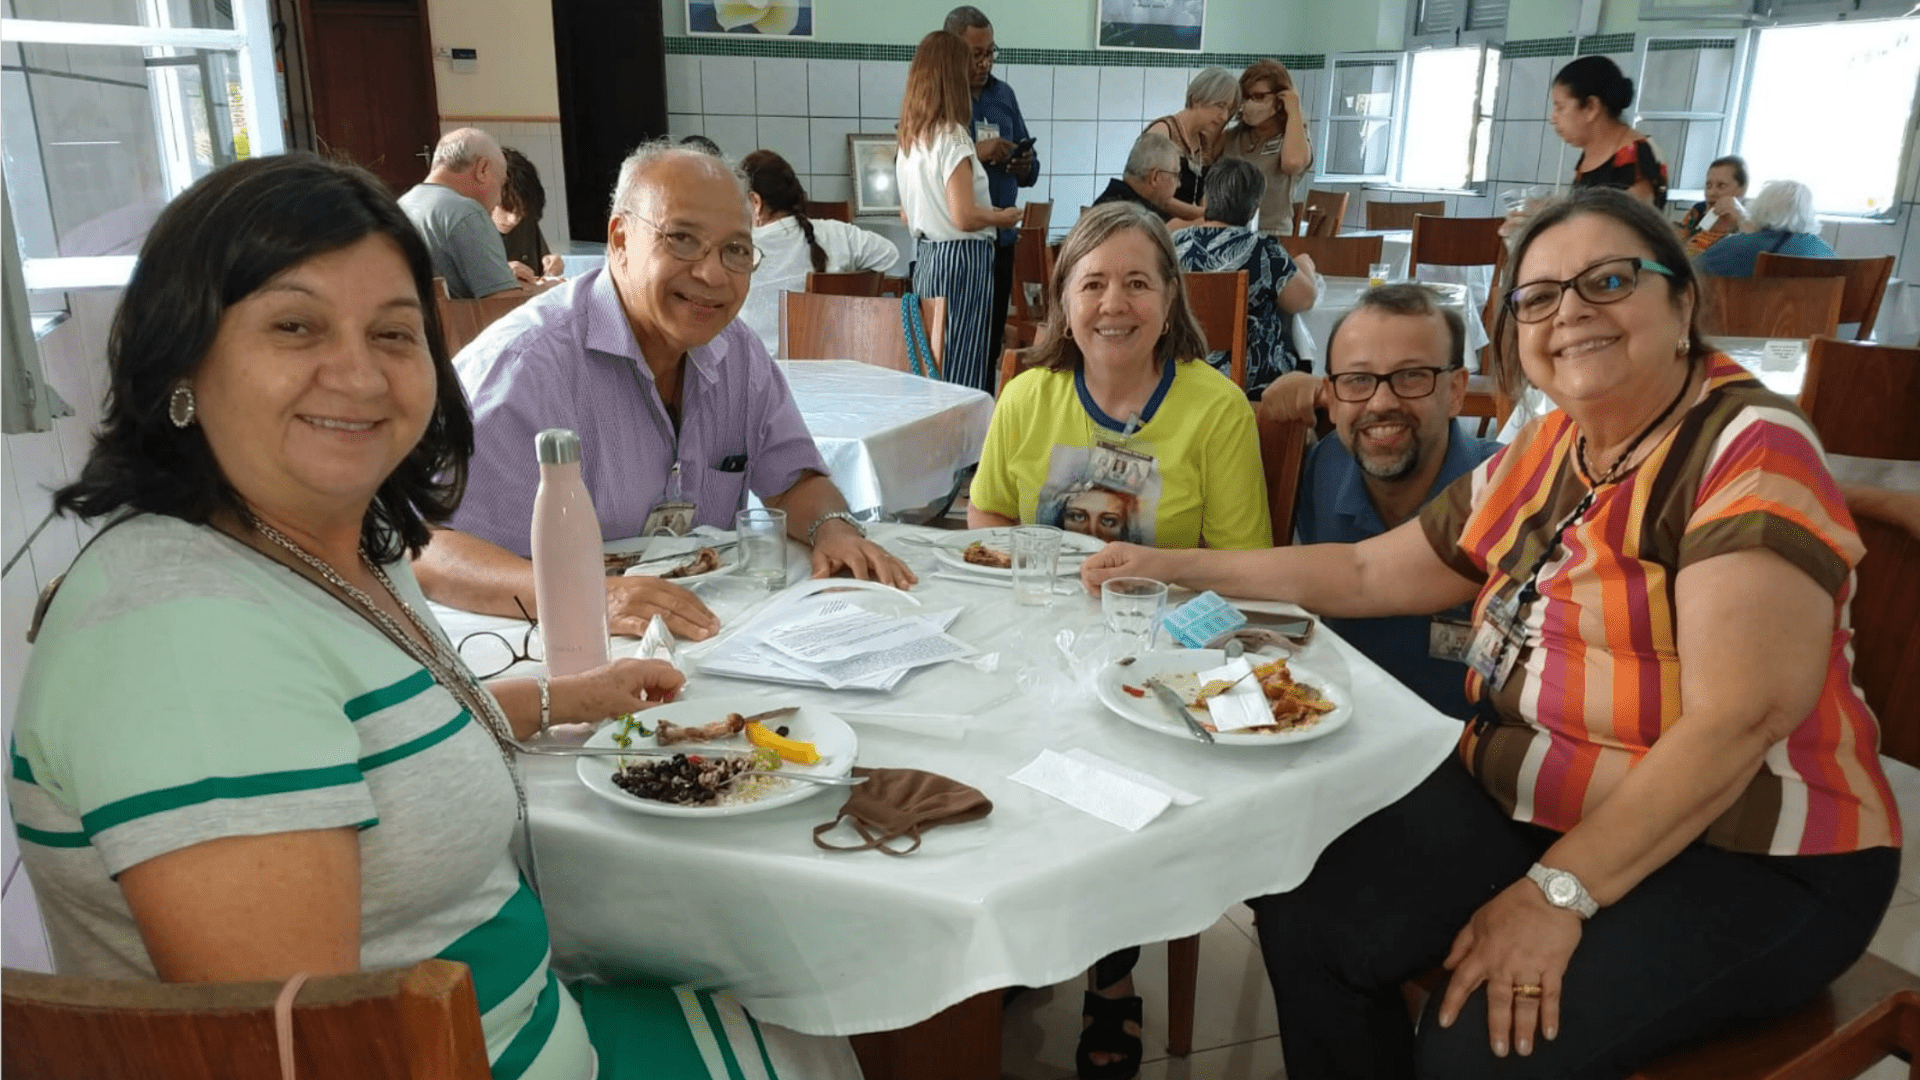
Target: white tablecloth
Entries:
(1338, 295)
(1899, 320)
(892, 441)
(846, 943)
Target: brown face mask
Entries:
(903, 802)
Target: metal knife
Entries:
(1178, 708)
(539, 750)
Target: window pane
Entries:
(1686, 80)
(97, 139)
(1853, 83)
(194, 14)
(1359, 147)
(1363, 89)
(1441, 113)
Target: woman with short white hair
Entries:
(1212, 97)
(1781, 220)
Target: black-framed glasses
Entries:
(489, 652)
(1406, 384)
(739, 256)
(1606, 282)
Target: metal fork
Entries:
(615, 751)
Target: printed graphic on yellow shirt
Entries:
(1073, 500)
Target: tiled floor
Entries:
(1234, 1029)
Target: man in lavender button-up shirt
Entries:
(645, 361)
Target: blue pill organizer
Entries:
(1202, 619)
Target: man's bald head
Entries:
(469, 161)
(668, 163)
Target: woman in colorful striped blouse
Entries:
(1669, 817)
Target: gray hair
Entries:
(1213, 86)
(1151, 151)
(626, 191)
(964, 18)
(458, 150)
(1233, 190)
(1783, 204)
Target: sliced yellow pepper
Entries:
(793, 750)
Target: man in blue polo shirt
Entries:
(998, 130)
(1396, 380)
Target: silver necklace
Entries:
(447, 671)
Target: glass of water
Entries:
(1036, 559)
(1377, 274)
(1131, 607)
(763, 545)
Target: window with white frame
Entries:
(1685, 100)
(1358, 125)
(1449, 116)
(1844, 87)
(102, 122)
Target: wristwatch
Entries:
(1563, 890)
(833, 515)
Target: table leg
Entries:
(1183, 970)
(960, 1043)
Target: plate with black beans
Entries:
(699, 779)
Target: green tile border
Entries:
(816, 50)
(1520, 50)
(1688, 44)
(1606, 43)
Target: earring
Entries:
(180, 408)
(1682, 346)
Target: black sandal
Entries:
(1107, 1034)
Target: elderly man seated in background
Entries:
(1780, 220)
(1396, 379)
(1151, 178)
(1277, 285)
(453, 210)
(675, 402)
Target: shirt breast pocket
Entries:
(723, 485)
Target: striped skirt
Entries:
(961, 271)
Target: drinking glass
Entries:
(1036, 560)
(763, 545)
(1131, 607)
(1377, 274)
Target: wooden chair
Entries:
(1770, 307)
(462, 320)
(847, 283)
(419, 1022)
(1322, 213)
(842, 210)
(1886, 651)
(895, 286)
(1032, 269)
(1450, 241)
(1863, 399)
(867, 329)
(1486, 409)
(1012, 362)
(1400, 215)
(1866, 282)
(1337, 256)
(1219, 301)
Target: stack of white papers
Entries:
(836, 644)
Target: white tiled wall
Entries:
(540, 141)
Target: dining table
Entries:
(892, 440)
(919, 946)
(1313, 328)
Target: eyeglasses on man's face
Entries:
(489, 653)
(738, 256)
(1407, 383)
(987, 55)
(1606, 282)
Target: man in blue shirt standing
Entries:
(998, 131)
(1396, 378)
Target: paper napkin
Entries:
(1179, 796)
(1108, 796)
(1244, 706)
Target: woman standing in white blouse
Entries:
(793, 245)
(943, 195)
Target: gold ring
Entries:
(1527, 990)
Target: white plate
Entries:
(1176, 668)
(729, 560)
(828, 733)
(1074, 549)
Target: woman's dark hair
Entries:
(1183, 339)
(1643, 221)
(220, 241)
(1597, 77)
(770, 177)
(1732, 161)
(523, 193)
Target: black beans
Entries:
(684, 780)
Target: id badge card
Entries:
(1117, 467)
(1449, 639)
(673, 515)
(1491, 656)
(985, 129)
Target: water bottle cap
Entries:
(557, 446)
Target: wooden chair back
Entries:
(1338, 256)
(847, 283)
(1037, 216)
(1886, 651)
(1486, 409)
(462, 320)
(1012, 362)
(1770, 307)
(832, 210)
(1323, 211)
(406, 1024)
(1863, 399)
(891, 285)
(1866, 282)
(1400, 215)
(1032, 266)
(1451, 241)
(1283, 454)
(867, 329)
(1219, 301)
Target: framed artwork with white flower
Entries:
(753, 18)
(874, 190)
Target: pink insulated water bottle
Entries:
(569, 579)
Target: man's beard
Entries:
(1398, 467)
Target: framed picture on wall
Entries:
(1150, 25)
(874, 190)
(752, 18)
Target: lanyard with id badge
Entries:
(1496, 645)
(1115, 465)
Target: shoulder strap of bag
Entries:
(52, 589)
(919, 352)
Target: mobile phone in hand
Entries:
(1021, 148)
